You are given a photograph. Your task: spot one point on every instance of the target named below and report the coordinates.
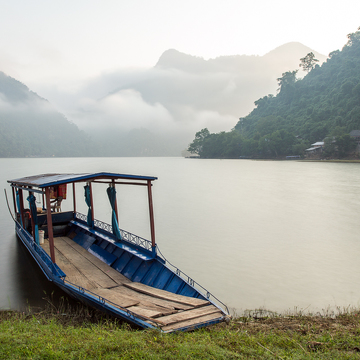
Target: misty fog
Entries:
(179, 96)
(157, 111)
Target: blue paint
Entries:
(187, 290)
(130, 257)
(122, 261)
(110, 248)
(163, 278)
(131, 267)
(141, 272)
(102, 254)
(46, 180)
(152, 273)
(84, 240)
(174, 285)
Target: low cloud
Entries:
(126, 110)
(179, 96)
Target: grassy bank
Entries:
(86, 334)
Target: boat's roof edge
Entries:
(45, 180)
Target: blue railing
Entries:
(146, 244)
(125, 235)
(192, 282)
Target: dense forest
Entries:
(31, 127)
(323, 106)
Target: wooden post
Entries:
(14, 200)
(116, 208)
(43, 200)
(21, 200)
(32, 218)
(91, 204)
(50, 226)
(74, 198)
(152, 223)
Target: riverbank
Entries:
(332, 160)
(60, 333)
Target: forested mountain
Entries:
(30, 126)
(156, 111)
(226, 85)
(325, 103)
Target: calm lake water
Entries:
(257, 234)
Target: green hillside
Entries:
(30, 126)
(324, 104)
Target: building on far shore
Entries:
(316, 148)
(355, 134)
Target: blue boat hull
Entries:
(132, 261)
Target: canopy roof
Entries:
(45, 180)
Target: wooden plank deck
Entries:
(165, 309)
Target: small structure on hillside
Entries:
(355, 134)
(315, 148)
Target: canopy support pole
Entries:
(32, 218)
(116, 208)
(50, 225)
(21, 200)
(74, 198)
(92, 205)
(14, 200)
(152, 223)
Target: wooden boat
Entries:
(103, 266)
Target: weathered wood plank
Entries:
(164, 307)
(120, 295)
(190, 314)
(193, 322)
(84, 265)
(116, 298)
(148, 299)
(72, 273)
(143, 311)
(151, 304)
(163, 294)
(108, 270)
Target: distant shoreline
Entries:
(333, 160)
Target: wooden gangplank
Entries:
(167, 310)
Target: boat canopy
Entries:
(46, 180)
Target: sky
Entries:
(63, 43)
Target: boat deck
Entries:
(162, 308)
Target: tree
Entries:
(310, 108)
(353, 37)
(196, 146)
(288, 78)
(308, 62)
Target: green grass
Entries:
(86, 334)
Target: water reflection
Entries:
(25, 282)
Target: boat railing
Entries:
(40, 251)
(193, 283)
(146, 244)
(125, 235)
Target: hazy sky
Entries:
(61, 42)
